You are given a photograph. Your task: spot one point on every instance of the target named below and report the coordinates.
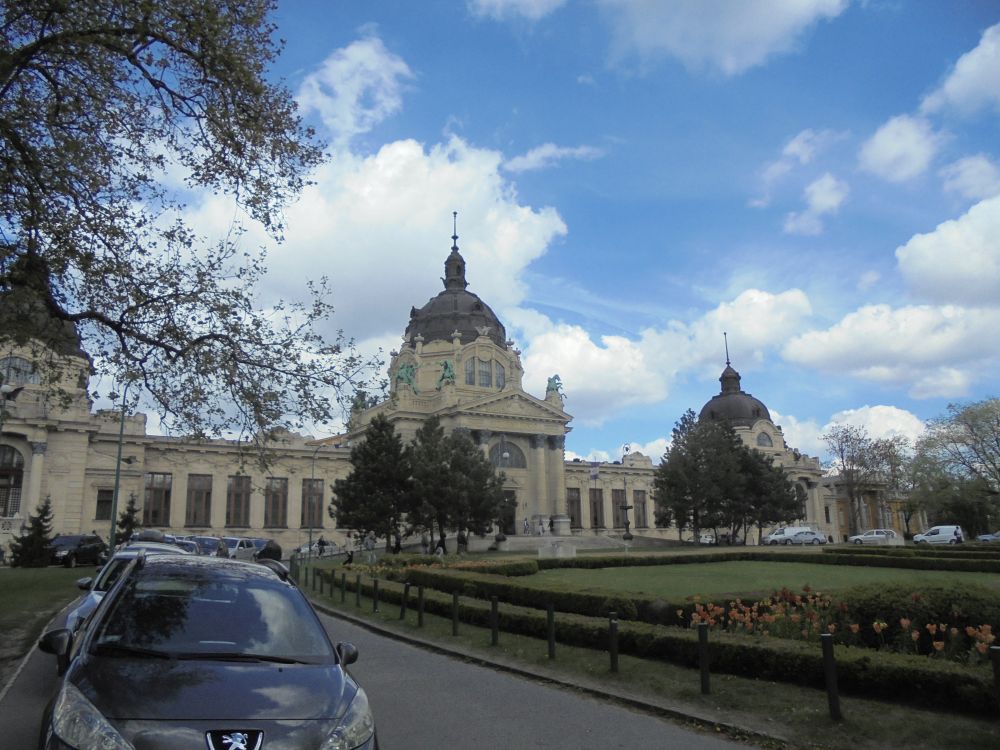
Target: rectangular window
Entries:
(596, 508)
(826, 513)
(501, 376)
(470, 371)
(104, 500)
(312, 503)
(639, 501)
(617, 512)
(485, 373)
(156, 510)
(238, 501)
(199, 500)
(573, 507)
(276, 503)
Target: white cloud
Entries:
(868, 279)
(799, 151)
(801, 435)
(933, 351)
(974, 177)
(823, 196)
(722, 35)
(593, 372)
(959, 261)
(355, 88)
(974, 83)
(901, 149)
(549, 154)
(881, 422)
(502, 9)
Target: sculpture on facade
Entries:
(447, 374)
(554, 385)
(407, 373)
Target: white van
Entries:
(783, 535)
(941, 535)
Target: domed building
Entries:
(751, 421)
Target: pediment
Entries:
(516, 405)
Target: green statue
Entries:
(554, 385)
(447, 374)
(407, 373)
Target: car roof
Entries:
(181, 566)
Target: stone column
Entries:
(484, 442)
(541, 504)
(557, 471)
(33, 497)
(178, 500)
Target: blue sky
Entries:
(818, 178)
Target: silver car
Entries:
(875, 536)
(808, 537)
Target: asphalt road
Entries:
(425, 700)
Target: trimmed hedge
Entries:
(963, 552)
(915, 680)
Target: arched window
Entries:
(501, 376)
(11, 476)
(18, 371)
(485, 373)
(514, 460)
(764, 440)
(470, 371)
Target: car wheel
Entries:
(857, 541)
(953, 541)
(71, 561)
(787, 542)
(815, 541)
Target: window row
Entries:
(639, 519)
(486, 373)
(198, 505)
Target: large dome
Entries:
(455, 309)
(735, 406)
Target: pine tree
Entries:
(128, 520)
(31, 549)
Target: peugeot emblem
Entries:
(242, 739)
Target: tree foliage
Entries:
(866, 466)
(129, 520)
(709, 480)
(966, 441)
(113, 114)
(454, 484)
(376, 495)
(31, 549)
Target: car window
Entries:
(191, 616)
(110, 574)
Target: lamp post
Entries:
(312, 489)
(627, 536)
(118, 470)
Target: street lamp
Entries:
(627, 536)
(118, 470)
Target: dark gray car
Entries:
(205, 652)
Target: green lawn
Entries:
(744, 578)
(29, 598)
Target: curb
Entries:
(685, 715)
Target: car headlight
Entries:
(61, 552)
(79, 724)
(355, 728)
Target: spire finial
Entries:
(725, 338)
(454, 231)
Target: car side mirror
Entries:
(347, 653)
(57, 642)
(84, 583)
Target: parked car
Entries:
(212, 546)
(807, 537)
(940, 535)
(76, 549)
(874, 536)
(240, 547)
(193, 651)
(270, 551)
(994, 537)
(783, 535)
(108, 575)
(188, 545)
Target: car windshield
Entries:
(110, 573)
(202, 614)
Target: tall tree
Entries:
(112, 114)
(129, 520)
(967, 440)
(769, 496)
(375, 496)
(31, 549)
(865, 466)
(431, 470)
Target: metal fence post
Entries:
(454, 613)
(613, 639)
(420, 606)
(550, 622)
(703, 656)
(494, 621)
(830, 673)
(402, 606)
(357, 592)
(995, 658)
(375, 595)
(343, 587)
